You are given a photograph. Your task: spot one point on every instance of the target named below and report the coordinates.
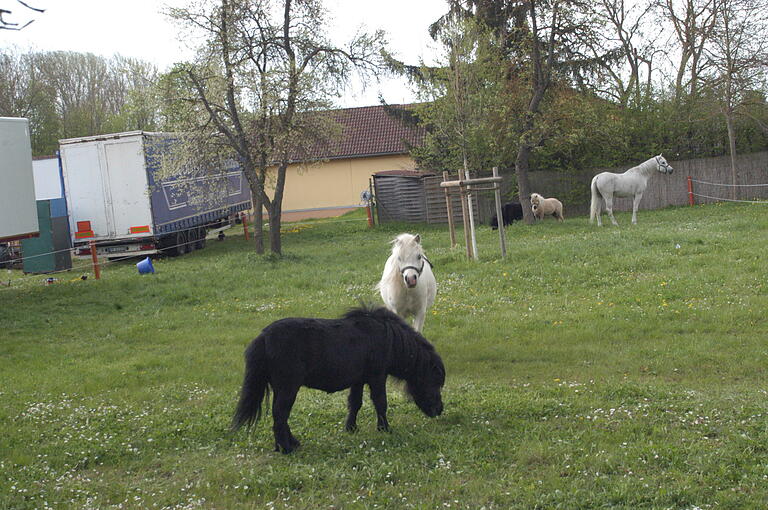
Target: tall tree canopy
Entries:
(67, 94)
(574, 85)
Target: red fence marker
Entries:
(95, 259)
(690, 192)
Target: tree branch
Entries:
(7, 25)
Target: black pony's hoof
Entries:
(350, 428)
(285, 450)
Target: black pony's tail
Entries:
(255, 386)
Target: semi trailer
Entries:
(118, 199)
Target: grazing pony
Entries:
(510, 212)
(631, 183)
(546, 206)
(363, 347)
(408, 285)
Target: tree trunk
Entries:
(258, 205)
(258, 218)
(275, 222)
(541, 78)
(523, 184)
(732, 147)
(276, 210)
(680, 76)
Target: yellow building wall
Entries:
(335, 184)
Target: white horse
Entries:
(631, 183)
(408, 285)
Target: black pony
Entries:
(363, 347)
(510, 211)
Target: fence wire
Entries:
(729, 185)
(761, 202)
(21, 259)
(87, 268)
(723, 199)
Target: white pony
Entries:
(631, 183)
(408, 285)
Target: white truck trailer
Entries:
(116, 198)
(18, 209)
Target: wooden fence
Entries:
(664, 190)
(409, 197)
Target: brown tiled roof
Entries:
(371, 131)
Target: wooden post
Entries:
(244, 219)
(472, 234)
(95, 260)
(464, 217)
(499, 214)
(371, 204)
(464, 184)
(690, 192)
(449, 207)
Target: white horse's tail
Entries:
(595, 206)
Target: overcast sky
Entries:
(135, 28)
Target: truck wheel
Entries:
(192, 239)
(201, 233)
(166, 245)
(181, 243)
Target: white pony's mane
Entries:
(648, 166)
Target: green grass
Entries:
(591, 368)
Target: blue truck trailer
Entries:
(117, 199)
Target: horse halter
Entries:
(666, 166)
(417, 269)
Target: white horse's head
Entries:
(536, 199)
(410, 258)
(664, 167)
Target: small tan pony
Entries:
(545, 207)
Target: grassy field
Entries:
(612, 368)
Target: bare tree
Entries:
(552, 25)
(262, 75)
(620, 52)
(88, 90)
(737, 56)
(18, 84)
(694, 22)
(67, 94)
(24, 93)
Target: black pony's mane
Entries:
(383, 314)
(412, 352)
(373, 312)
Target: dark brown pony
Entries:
(363, 347)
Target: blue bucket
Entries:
(145, 266)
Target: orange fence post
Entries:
(244, 217)
(690, 191)
(95, 259)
